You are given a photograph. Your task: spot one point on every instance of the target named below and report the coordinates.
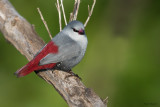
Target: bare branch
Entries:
(59, 13)
(65, 20)
(45, 24)
(75, 10)
(90, 12)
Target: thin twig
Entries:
(75, 13)
(89, 9)
(71, 17)
(105, 101)
(59, 13)
(75, 10)
(90, 12)
(65, 20)
(45, 24)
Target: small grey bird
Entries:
(63, 52)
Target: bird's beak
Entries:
(81, 31)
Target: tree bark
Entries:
(23, 37)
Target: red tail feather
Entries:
(24, 71)
(30, 68)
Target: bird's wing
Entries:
(65, 52)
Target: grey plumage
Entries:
(71, 47)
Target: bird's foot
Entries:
(73, 74)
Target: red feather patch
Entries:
(34, 63)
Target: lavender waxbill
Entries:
(63, 52)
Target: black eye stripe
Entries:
(75, 30)
(81, 32)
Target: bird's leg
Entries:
(52, 71)
(72, 74)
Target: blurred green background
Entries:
(122, 59)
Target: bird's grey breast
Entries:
(71, 51)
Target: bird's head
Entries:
(75, 29)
